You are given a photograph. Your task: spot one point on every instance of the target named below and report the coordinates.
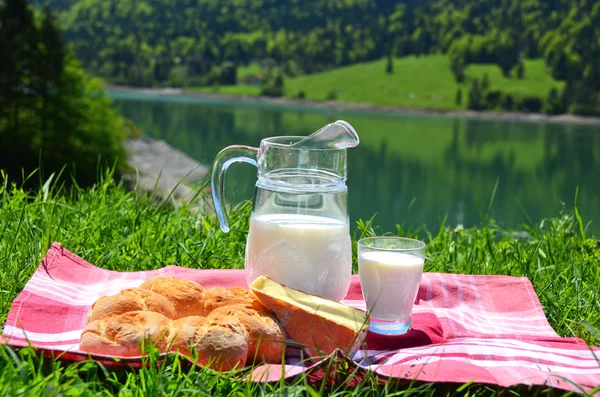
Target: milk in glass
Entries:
(390, 282)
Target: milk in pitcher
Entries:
(306, 252)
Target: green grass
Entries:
(417, 82)
(121, 230)
(252, 69)
(229, 89)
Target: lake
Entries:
(411, 172)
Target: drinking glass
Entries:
(390, 270)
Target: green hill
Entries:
(419, 82)
(182, 43)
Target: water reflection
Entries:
(410, 171)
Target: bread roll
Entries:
(124, 335)
(129, 300)
(184, 333)
(266, 337)
(219, 297)
(186, 296)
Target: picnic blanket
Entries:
(483, 329)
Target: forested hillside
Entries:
(160, 42)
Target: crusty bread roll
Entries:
(129, 300)
(219, 297)
(124, 335)
(184, 333)
(221, 346)
(186, 296)
(266, 337)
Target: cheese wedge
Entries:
(320, 325)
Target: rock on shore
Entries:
(159, 169)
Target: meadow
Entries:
(424, 82)
(123, 230)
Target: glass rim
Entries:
(419, 245)
(272, 142)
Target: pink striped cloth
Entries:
(483, 329)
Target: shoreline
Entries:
(159, 169)
(160, 93)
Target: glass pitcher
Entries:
(299, 228)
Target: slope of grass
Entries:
(417, 82)
(120, 230)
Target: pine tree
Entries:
(521, 70)
(51, 66)
(485, 83)
(475, 96)
(458, 99)
(19, 43)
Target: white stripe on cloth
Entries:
(482, 325)
(522, 316)
(550, 369)
(493, 352)
(58, 296)
(99, 289)
(515, 344)
(490, 327)
(9, 331)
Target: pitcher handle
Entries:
(226, 157)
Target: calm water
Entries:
(408, 170)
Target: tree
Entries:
(19, 41)
(272, 83)
(506, 52)
(389, 69)
(475, 96)
(50, 70)
(458, 99)
(56, 116)
(520, 70)
(554, 103)
(485, 83)
(457, 65)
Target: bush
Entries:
(475, 96)
(520, 70)
(530, 104)
(389, 68)
(249, 79)
(458, 99)
(272, 83)
(457, 65)
(485, 83)
(130, 130)
(271, 91)
(492, 99)
(554, 103)
(507, 102)
(301, 95)
(331, 95)
(228, 74)
(585, 109)
(178, 76)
